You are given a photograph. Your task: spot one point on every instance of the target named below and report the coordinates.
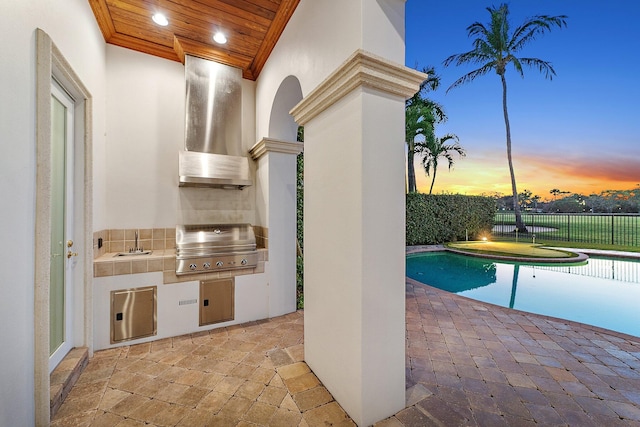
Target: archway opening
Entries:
(282, 126)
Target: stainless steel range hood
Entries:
(213, 155)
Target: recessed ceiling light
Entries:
(160, 19)
(219, 37)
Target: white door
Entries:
(63, 253)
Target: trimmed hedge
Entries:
(434, 219)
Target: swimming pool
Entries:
(602, 292)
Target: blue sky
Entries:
(579, 132)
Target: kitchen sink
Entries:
(134, 253)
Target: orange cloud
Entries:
(487, 172)
(607, 169)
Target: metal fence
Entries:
(608, 229)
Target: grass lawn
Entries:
(511, 249)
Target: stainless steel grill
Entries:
(216, 247)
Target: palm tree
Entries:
(494, 47)
(416, 119)
(421, 115)
(437, 148)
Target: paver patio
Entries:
(468, 363)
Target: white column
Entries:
(276, 202)
(354, 225)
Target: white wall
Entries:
(319, 37)
(282, 232)
(315, 41)
(145, 123)
(72, 27)
(145, 131)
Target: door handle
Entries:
(69, 243)
(70, 254)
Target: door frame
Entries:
(50, 63)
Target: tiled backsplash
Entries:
(121, 240)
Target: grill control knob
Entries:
(244, 261)
(206, 265)
(192, 266)
(219, 263)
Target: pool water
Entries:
(602, 292)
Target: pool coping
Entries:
(581, 256)
(567, 322)
(411, 250)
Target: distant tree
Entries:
(622, 200)
(495, 47)
(498, 197)
(535, 200)
(525, 199)
(566, 204)
(421, 116)
(434, 150)
(555, 192)
(505, 202)
(493, 194)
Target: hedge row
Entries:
(434, 219)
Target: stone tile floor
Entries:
(245, 375)
(492, 366)
(468, 364)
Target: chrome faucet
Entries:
(136, 248)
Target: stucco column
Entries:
(276, 194)
(354, 225)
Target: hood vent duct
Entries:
(213, 154)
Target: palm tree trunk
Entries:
(433, 179)
(411, 172)
(516, 206)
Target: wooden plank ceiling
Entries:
(252, 28)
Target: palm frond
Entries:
(472, 75)
(437, 111)
(437, 148)
(544, 67)
(534, 27)
(516, 64)
(477, 29)
(472, 57)
(432, 82)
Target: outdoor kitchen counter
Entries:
(164, 261)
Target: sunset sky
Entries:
(579, 132)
